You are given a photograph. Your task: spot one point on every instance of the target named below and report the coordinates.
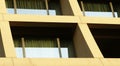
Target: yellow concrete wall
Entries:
(40, 18)
(100, 20)
(59, 62)
(2, 7)
(5, 35)
(7, 39)
(82, 36)
(75, 8)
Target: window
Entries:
(107, 38)
(116, 6)
(54, 5)
(42, 7)
(44, 40)
(97, 8)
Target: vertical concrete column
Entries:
(75, 7)
(81, 47)
(7, 41)
(2, 6)
(90, 41)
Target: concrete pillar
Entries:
(81, 47)
(6, 36)
(75, 7)
(90, 41)
(2, 6)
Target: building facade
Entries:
(59, 33)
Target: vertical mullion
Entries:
(82, 7)
(111, 6)
(47, 8)
(23, 47)
(15, 6)
(59, 48)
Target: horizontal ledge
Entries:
(59, 62)
(39, 18)
(100, 20)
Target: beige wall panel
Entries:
(75, 7)
(6, 62)
(66, 62)
(7, 39)
(82, 49)
(23, 62)
(50, 62)
(100, 20)
(59, 62)
(111, 62)
(2, 6)
(90, 40)
(1, 18)
(37, 18)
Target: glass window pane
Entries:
(9, 3)
(97, 8)
(41, 47)
(54, 7)
(36, 47)
(10, 6)
(31, 7)
(116, 7)
(40, 42)
(68, 47)
(18, 47)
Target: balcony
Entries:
(44, 40)
(99, 8)
(38, 7)
(48, 40)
